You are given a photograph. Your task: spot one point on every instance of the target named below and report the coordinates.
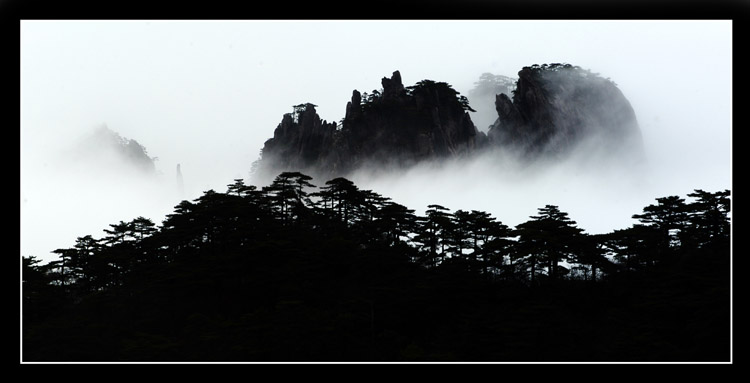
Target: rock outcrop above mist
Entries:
(396, 126)
(483, 95)
(555, 109)
(558, 107)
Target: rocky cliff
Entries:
(396, 126)
(482, 97)
(302, 141)
(558, 109)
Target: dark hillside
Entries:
(343, 274)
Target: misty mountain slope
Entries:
(105, 151)
(395, 127)
(559, 109)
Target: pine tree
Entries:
(546, 240)
(458, 235)
(669, 218)
(395, 221)
(339, 198)
(289, 195)
(708, 217)
(431, 231)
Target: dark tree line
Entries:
(248, 227)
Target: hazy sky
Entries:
(207, 94)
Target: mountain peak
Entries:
(554, 110)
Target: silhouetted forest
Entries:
(293, 272)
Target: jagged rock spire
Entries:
(180, 184)
(393, 86)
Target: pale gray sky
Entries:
(207, 94)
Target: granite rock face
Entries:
(396, 127)
(556, 108)
(483, 95)
(301, 141)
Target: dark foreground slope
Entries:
(243, 277)
(339, 304)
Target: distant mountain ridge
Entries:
(554, 108)
(105, 150)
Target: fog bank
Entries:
(207, 94)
